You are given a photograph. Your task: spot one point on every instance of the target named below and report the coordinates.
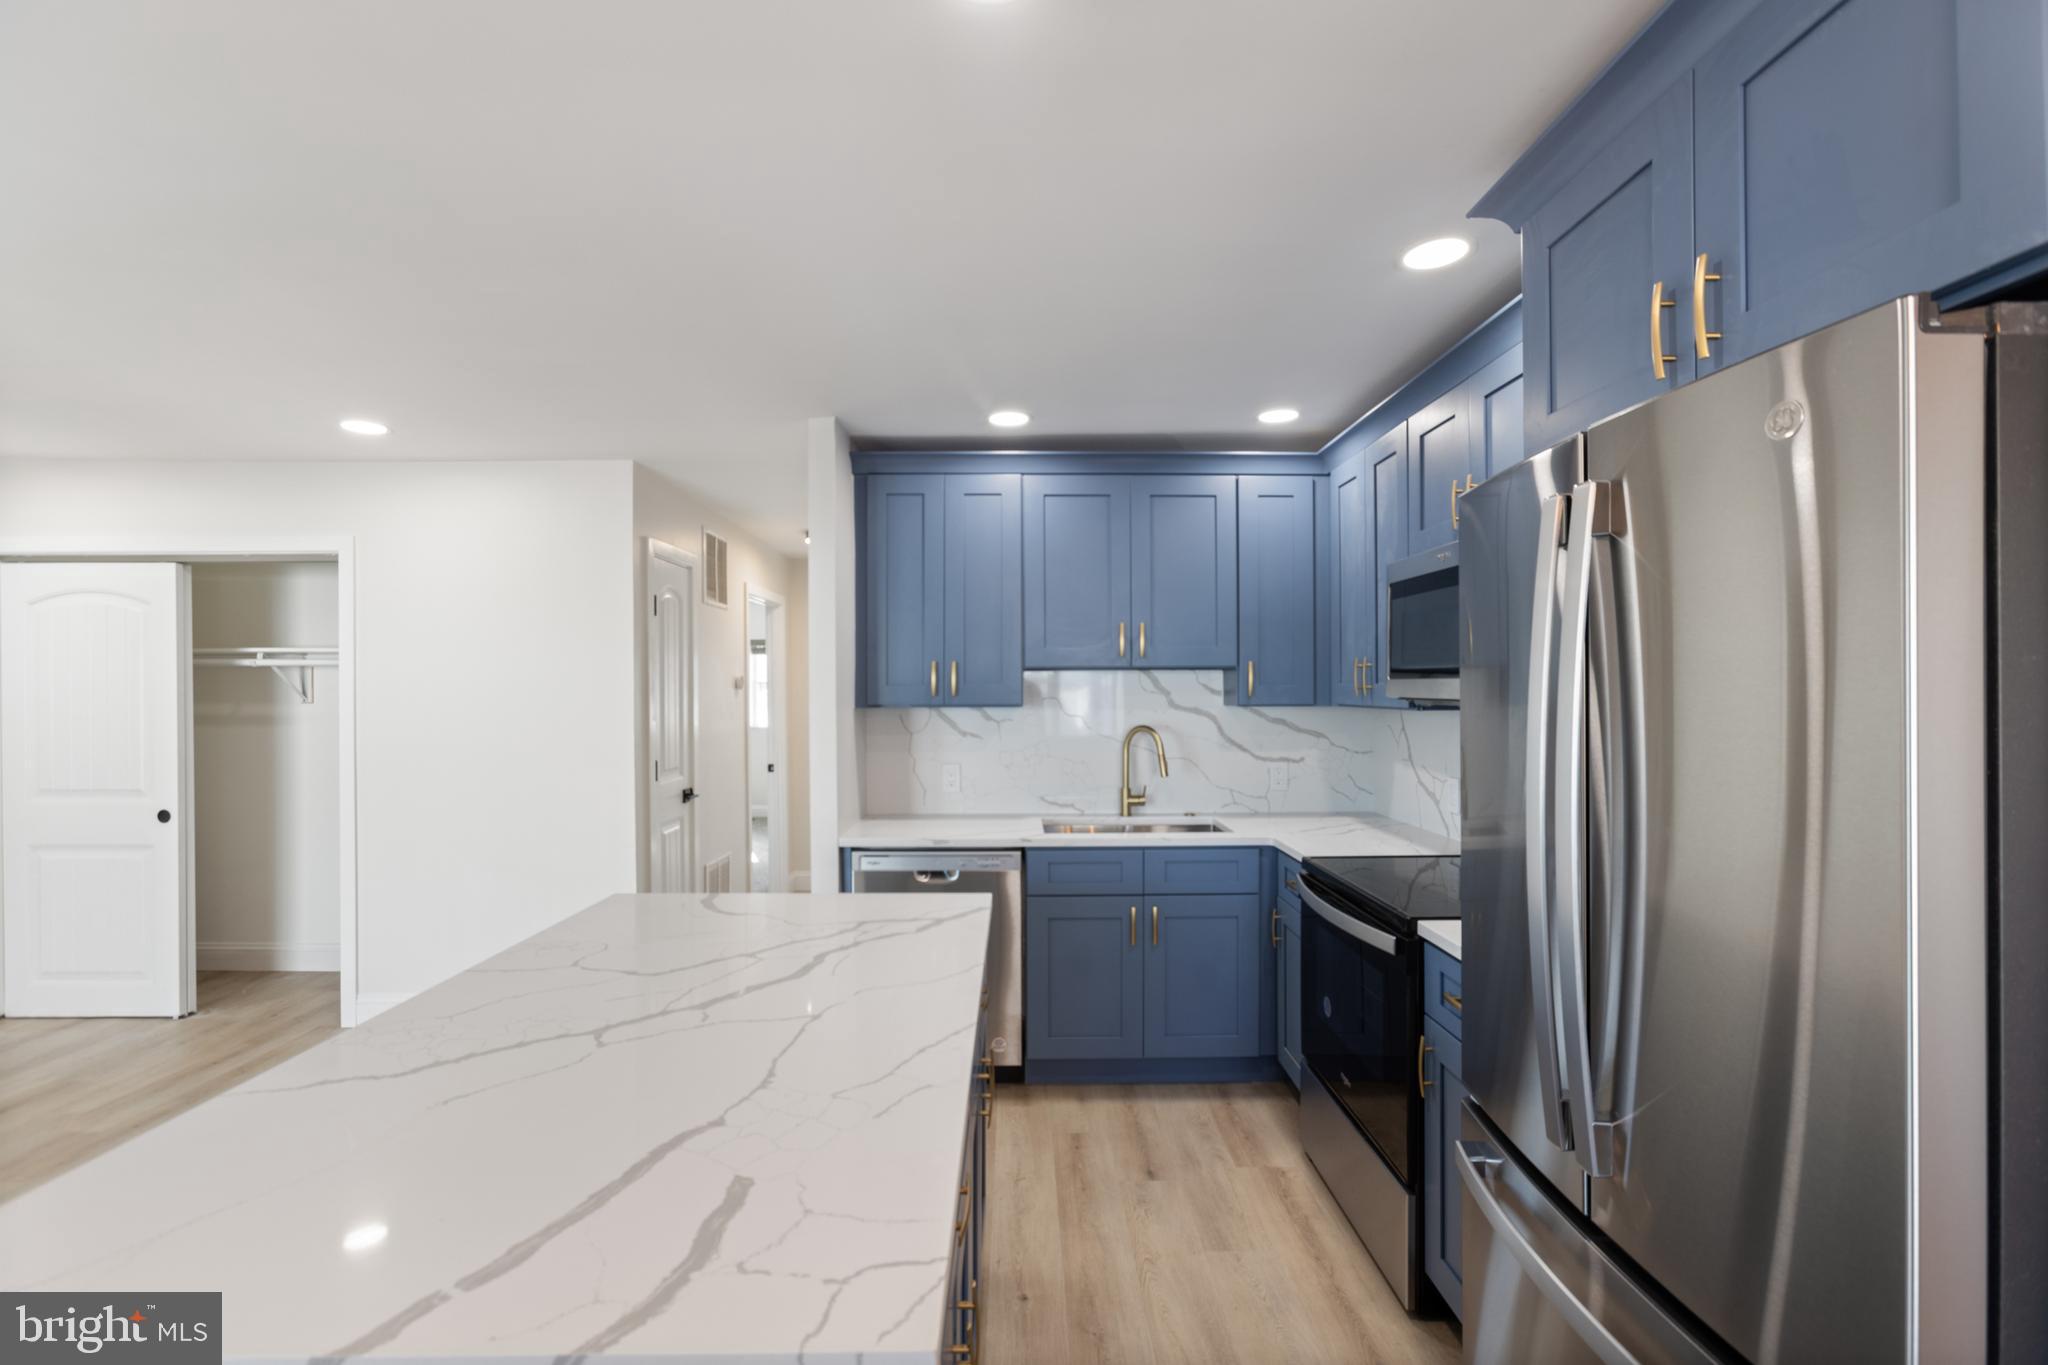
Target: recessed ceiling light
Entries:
(1436, 253)
(1274, 417)
(364, 1237)
(1008, 417)
(364, 426)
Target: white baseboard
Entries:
(269, 957)
(368, 1007)
(800, 882)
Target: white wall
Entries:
(664, 510)
(267, 773)
(494, 673)
(834, 739)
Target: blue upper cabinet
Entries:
(1184, 571)
(984, 633)
(906, 583)
(1854, 150)
(1495, 395)
(1356, 576)
(1386, 463)
(1077, 571)
(1439, 467)
(1276, 589)
(1605, 267)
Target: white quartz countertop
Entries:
(677, 1127)
(1447, 934)
(1297, 836)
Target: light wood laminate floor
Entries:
(1129, 1224)
(72, 1088)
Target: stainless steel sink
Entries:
(1134, 827)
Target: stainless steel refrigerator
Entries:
(1725, 873)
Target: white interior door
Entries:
(95, 789)
(671, 720)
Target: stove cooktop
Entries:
(1407, 889)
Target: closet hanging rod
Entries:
(276, 658)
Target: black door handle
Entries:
(163, 817)
(689, 795)
(771, 767)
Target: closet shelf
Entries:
(294, 665)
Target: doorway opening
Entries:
(767, 765)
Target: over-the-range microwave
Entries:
(1422, 627)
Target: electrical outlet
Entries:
(949, 779)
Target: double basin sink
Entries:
(1134, 827)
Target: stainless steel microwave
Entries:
(1422, 627)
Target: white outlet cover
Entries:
(949, 779)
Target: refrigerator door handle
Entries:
(1603, 1307)
(1536, 802)
(1595, 515)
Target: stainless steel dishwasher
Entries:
(1001, 875)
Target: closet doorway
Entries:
(203, 694)
(767, 764)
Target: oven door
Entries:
(1359, 1024)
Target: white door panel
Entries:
(95, 662)
(671, 722)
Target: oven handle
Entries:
(1349, 924)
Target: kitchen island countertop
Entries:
(686, 1127)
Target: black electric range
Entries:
(1361, 1036)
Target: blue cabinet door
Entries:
(1439, 462)
(1597, 258)
(1184, 571)
(1851, 151)
(1276, 592)
(1443, 1193)
(1287, 977)
(1202, 960)
(1386, 461)
(1495, 395)
(1084, 978)
(906, 583)
(1357, 610)
(1077, 571)
(984, 634)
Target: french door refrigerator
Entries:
(1725, 868)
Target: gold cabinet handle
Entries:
(1422, 1049)
(935, 677)
(1251, 680)
(1658, 303)
(1356, 666)
(1134, 926)
(1120, 627)
(1368, 675)
(1276, 926)
(1459, 491)
(1292, 885)
(956, 677)
(1700, 335)
(1141, 639)
(1155, 926)
(966, 1212)
(1456, 1002)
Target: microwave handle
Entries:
(1349, 924)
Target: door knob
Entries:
(163, 817)
(689, 795)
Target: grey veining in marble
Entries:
(687, 1127)
(1058, 754)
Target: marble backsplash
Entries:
(1059, 754)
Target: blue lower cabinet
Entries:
(1202, 976)
(1084, 978)
(1443, 1194)
(1287, 984)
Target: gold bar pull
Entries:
(1120, 627)
(1456, 1002)
(956, 677)
(1455, 491)
(1658, 303)
(935, 677)
(1141, 639)
(1368, 675)
(1422, 1049)
(1251, 680)
(1357, 665)
(1134, 926)
(1155, 926)
(1276, 926)
(1700, 335)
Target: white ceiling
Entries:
(671, 230)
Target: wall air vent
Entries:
(714, 570)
